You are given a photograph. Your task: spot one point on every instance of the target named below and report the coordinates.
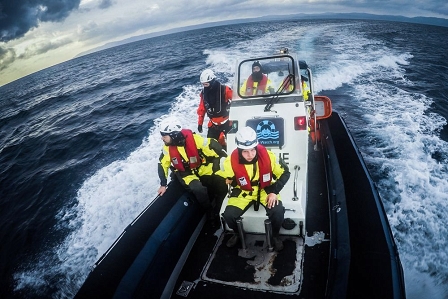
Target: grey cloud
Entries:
(19, 16)
(43, 47)
(88, 31)
(7, 56)
(105, 4)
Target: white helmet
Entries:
(246, 138)
(207, 76)
(170, 125)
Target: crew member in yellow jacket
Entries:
(257, 178)
(194, 160)
(257, 83)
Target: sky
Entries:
(36, 34)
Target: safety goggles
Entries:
(246, 143)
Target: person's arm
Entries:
(216, 151)
(201, 112)
(243, 88)
(229, 94)
(269, 88)
(162, 171)
(279, 172)
(215, 146)
(226, 170)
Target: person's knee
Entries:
(197, 186)
(230, 214)
(200, 192)
(276, 213)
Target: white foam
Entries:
(398, 140)
(107, 202)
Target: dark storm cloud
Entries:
(17, 17)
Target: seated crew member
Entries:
(257, 178)
(257, 83)
(194, 162)
(215, 100)
(287, 86)
(305, 88)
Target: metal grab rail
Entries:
(296, 174)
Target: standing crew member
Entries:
(215, 100)
(257, 179)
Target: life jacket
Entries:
(261, 87)
(194, 160)
(264, 167)
(215, 101)
(287, 84)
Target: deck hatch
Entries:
(229, 266)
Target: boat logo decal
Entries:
(269, 130)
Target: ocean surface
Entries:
(79, 145)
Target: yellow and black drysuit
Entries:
(252, 188)
(194, 161)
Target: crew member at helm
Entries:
(215, 100)
(194, 161)
(257, 83)
(257, 178)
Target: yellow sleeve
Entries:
(226, 171)
(165, 160)
(203, 145)
(277, 169)
(243, 88)
(269, 87)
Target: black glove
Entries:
(200, 128)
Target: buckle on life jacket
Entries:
(219, 123)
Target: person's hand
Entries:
(272, 200)
(162, 190)
(200, 128)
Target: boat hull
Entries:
(375, 266)
(145, 255)
(347, 250)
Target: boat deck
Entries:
(256, 267)
(301, 268)
(169, 251)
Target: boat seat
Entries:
(253, 221)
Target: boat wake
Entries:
(107, 202)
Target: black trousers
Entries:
(216, 188)
(276, 214)
(214, 131)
